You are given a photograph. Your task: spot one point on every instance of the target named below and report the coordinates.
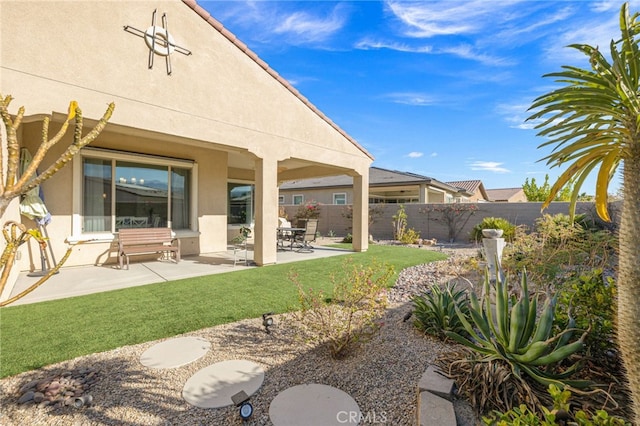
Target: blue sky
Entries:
(439, 88)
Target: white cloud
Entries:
(411, 98)
(307, 27)
(467, 51)
(434, 154)
(489, 166)
(415, 154)
(268, 20)
(368, 44)
(437, 18)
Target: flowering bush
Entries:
(308, 210)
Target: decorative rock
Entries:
(26, 397)
(29, 386)
(44, 403)
(57, 390)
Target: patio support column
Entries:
(266, 210)
(423, 194)
(361, 212)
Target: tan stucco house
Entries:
(385, 186)
(203, 132)
(507, 195)
(475, 187)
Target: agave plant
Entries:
(435, 311)
(511, 331)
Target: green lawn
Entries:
(35, 335)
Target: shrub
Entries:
(561, 413)
(590, 297)
(308, 210)
(558, 247)
(435, 311)
(410, 236)
(509, 230)
(351, 315)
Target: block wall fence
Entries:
(333, 220)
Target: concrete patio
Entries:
(81, 280)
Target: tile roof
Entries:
(501, 194)
(470, 186)
(193, 4)
(377, 177)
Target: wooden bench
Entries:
(132, 241)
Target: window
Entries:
(134, 191)
(298, 199)
(340, 198)
(280, 199)
(241, 202)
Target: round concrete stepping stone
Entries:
(314, 405)
(174, 353)
(213, 386)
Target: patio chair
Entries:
(309, 235)
(284, 235)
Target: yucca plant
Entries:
(512, 332)
(435, 311)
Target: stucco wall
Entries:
(332, 218)
(217, 103)
(217, 94)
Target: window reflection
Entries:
(144, 195)
(240, 204)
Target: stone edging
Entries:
(435, 394)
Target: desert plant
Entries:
(351, 315)
(435, 311)
(592, 120)
(558, 247)
(512, 333)
(399, 223)
(560, 414)
(590, 297)
(509, 230)
(410, 236)
(12, 185)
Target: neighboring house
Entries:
(474, 187)
(385, 186)
(202, 133)
(507, 195)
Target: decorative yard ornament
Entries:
(158, 40)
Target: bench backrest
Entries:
(138, 236)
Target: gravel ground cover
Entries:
(381, 376)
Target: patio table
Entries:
(285, 233)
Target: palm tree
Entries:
(593, 120)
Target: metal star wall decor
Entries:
(158, 40)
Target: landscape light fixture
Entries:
(267, 321)
(241, 399)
